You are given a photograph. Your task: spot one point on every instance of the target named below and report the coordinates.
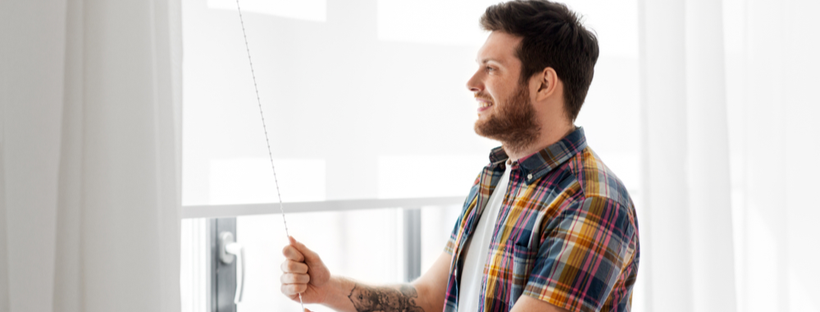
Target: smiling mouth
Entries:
(483, 106)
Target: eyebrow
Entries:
(484, 61)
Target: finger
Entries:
(309, 255)
(288, 278)
(294, 267)
(293, 289)
(291, 253)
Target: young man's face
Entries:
(505, 111)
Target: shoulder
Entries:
(596, 180)
(601, 194)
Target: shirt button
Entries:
(529, 176)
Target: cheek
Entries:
(501, 90)
(495, 94)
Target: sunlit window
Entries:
(363, 100)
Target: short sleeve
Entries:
(451, 242)
(582, 253)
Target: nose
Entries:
(475, 84)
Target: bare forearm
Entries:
(358, 297)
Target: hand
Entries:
(303, 272)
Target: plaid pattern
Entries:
(567, 232)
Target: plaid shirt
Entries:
(566, 233)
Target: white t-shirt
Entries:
(478, 247)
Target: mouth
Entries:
(484, 105)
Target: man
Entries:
(546, 227)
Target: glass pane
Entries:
(436, 225)
(365, 245)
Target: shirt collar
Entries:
(540, 163)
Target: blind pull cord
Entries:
(265, 128)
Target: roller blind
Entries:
(365, 99)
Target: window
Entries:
(364, 100)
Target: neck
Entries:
(545, 138)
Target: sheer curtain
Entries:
(729, 141)
(89, 155)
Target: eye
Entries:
(488, 68)
(360, 297)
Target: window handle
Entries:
(228, 249)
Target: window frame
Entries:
(411, 234)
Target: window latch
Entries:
(228, 250)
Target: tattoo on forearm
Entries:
(371, 299)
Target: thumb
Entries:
(310, 256)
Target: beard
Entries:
(512, 122)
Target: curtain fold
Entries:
(779, 106)
(665, 239)
(729, 113)
(707, 153)
(688, 239)
(91, 134)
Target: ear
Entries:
(545, 83)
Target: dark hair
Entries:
(552, 37)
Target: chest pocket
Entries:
(525, 243)
(523, 260)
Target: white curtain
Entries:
(89, 155)
(730, 141)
